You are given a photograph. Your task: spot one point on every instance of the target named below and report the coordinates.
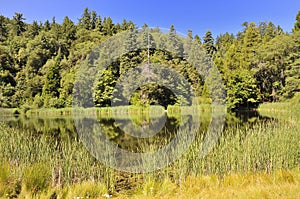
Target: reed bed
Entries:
(36, 165)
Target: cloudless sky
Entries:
(219, 16)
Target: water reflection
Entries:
(118, 131)
(247, 117)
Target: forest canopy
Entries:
(39, 62)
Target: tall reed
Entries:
(263, 147)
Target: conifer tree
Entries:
(19, 25)
(3, 28)
(68, 31)
(108, 26)
(208, 43)
(47, 25)
(85, 20)
(33, 29)
(250, 45)
(197, 39)
(188, 43)
(297, 23)
(93, 20)
(174, 45)
(98, 25)
(131, 57)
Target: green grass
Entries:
(283, 107)
(110, 111)
(284, 111)
(9, 111)
(106, 112)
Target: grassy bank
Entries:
(104, 111)
(9, 111)
(288, 112)
(283, 107)
(280, 184)
(108, 111)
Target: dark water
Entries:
(127, 133)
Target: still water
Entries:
(127, 133)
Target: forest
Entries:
(39, 62)
(51, 147)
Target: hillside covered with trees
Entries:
(39, 62)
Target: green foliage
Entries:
(85, 20)
(108, 28)
(250, 43)
(173, 43)
(3, 28)
(33, 29)
(208, 42)
(105, 87)
(39, 61)
(297, 23)
(68, 31)
(18, 24)
(52, 81)
(6, 94)
(242, 91)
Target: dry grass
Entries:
(281, 184)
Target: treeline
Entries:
(39, 62)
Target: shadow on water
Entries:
(247, 118)
(63, 127)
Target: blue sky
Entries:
(219, 16)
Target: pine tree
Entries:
(197, 39)
(124, 25)
(223, 42)
(55, 31)
(268, 31)
(250, 45)
(85, 20)
(33, 29)
(130, 58)
(297, 23)
(47, 25)
(53, 22)
(98, 25)
(147, 38)
(270, 71)
(19, 25)
(208, 43)
(68, 29)
(174, 45)
(93, 20)
(3, 28)
(108, 26)
(188, 43)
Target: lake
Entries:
(126, 132)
